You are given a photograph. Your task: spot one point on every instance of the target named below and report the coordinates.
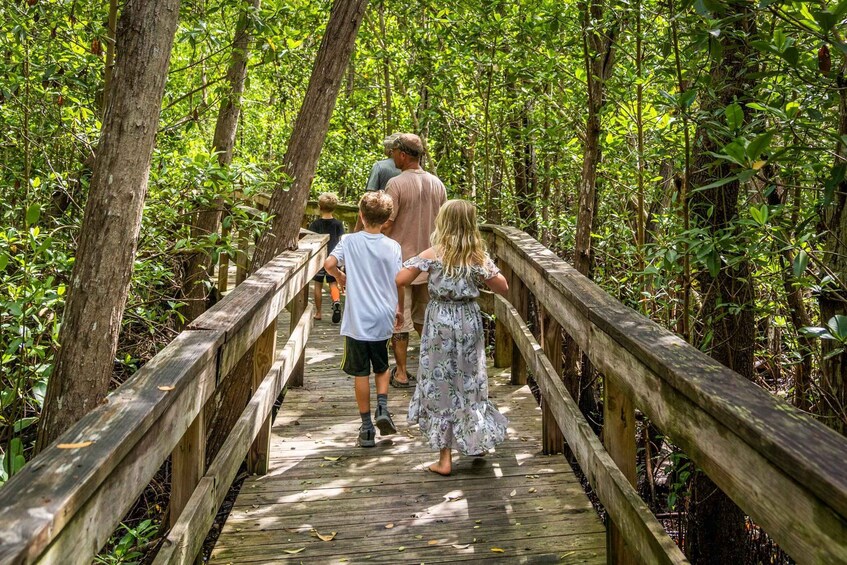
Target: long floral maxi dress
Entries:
(451, 402)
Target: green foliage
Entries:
(127, 545)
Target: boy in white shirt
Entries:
(370, 261)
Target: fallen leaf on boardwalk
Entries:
(322, 537)
(461, 545)
(331, 458)
(454, 498)
(255, 505)
(293, 551)
(477, 521)
(533, 489)
(389, 526)
(531, 476)
(513, 493)
(74, 445)
(418, 536)
(432, 542)
(498, 550)
(401, 548)
(165, 388)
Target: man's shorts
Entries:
(360, 355)
(322, 276)
(417, 297)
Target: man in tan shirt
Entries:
(417, 197)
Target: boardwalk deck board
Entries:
(515, 499)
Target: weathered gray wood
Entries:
(244, 313)
(188, 463)
(502, 340)
(59, 483)
(619, 441)
(297, 306)
(326, 483)
(186, 537)
(519, 297)
(264, 355)
(242, 244)
(551, 335)
(645, 536)
(223, 264)
(777, 440)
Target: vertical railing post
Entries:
(619, 441)
(241, 259)
(552, 439)
(223, 264)
(502, 338)
(264, 353)
(188, 463)
(296, 307)
(519, 297)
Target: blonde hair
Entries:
(327, 202)
(376, 208)
(457, 240)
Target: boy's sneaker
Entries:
(336, 312)
(366, 437)
(383, 421)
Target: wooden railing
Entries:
(784, 469)
(65, 503)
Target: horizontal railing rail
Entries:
(65, 503)
(783, 468)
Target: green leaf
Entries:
(816, 331)
(800, 263)
(4, 260)
(719, 182)
(760, 214)
(736, 152)
(758, 145)
(32, 214)
(838, 327)
(734, 116)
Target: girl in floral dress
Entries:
(451, 402)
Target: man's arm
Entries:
(331, 268)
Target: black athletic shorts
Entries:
(359, 356)
(322, 276)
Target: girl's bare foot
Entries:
(317, 317)
(438, 469)
(445, 462)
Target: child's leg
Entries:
(381, 382)
(445, 462)
(318, 292)
(363, 394)
(334, 292)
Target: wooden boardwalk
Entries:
(326, 501)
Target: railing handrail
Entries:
(65, 503)
(746, 440)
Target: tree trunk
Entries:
(206, 219)
(716, 532)
(523, 158)
(598, 52)
(101, 274)
(288, 202)
(833, 299)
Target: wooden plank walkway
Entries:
(381, 505)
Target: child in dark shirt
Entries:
(328, 224)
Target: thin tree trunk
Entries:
(288, 202)
(107, 243)
(716, 530)
(110, 52)
(833, 301)
(207, 219)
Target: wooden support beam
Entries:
(241, 258)
(519, 297)
(619, 441)
(552, 440)
(297, 307)
(223, 265)
(258, 457)
(503, 344)
(188, 463)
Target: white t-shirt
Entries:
(371, 262)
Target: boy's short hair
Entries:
(376, 208)
(327, 202)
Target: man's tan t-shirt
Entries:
(417, 197)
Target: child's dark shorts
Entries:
(322, 276)
(360, 355)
